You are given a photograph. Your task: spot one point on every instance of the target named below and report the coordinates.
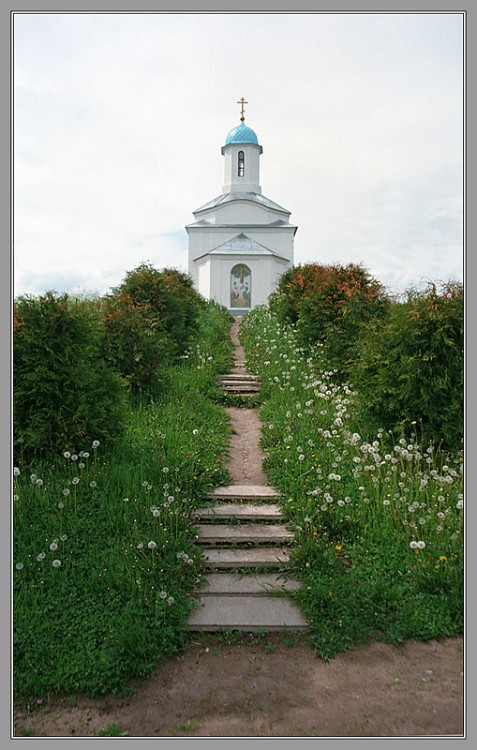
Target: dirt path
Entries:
(249, 685)
(266, 688)
(245, 457)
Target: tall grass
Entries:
(104, 554)
(378, 518)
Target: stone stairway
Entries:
(246, 547)
(243, 533)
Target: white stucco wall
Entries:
(277, 239)
(251, 178)
(202, 280)
(265, 272)
(241, 212)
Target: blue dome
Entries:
(241, 134)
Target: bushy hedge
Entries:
(329, 304)
(151, 319)
(410, 368)
(64, 393)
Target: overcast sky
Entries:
(119, 120)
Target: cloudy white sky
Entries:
(119, 120)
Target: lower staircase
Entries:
(247, 550)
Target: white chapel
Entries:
(240, 242)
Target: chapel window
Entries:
(241, 164)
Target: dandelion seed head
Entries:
(56, 563)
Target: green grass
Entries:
(378, 519)
(104, 554)
(185, 726)
(112, 730)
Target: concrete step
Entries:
(233, 492)
(245, 533)
(246, 558)
(242, 511)
(250, 584)
(235, 383)
(240, 381)
(243, 389)
(239, 377)
(248, 613)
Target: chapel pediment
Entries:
(241, 244)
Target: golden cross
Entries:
(242, 102)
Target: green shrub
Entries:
(410, 369)
(135, 344)
(64, 394)
(169, 297)
(151, 319)
(329, 304)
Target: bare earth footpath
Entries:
(273, 685)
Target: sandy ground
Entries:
(273, 685)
